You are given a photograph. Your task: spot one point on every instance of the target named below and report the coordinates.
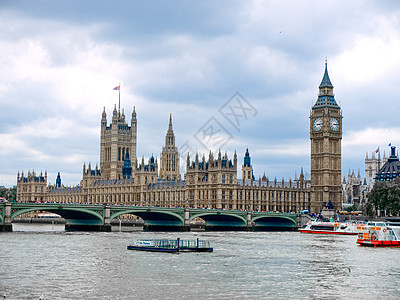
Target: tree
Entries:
(385, 196)
(354, 207)
(9, 193)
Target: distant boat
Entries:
(172, 246)
(380, 234)
(332, 228)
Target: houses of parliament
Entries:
(210, 181)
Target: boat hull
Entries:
(169, 250)
(375, 243)
(153, 249)
(326, 232)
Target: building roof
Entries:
(391, 169)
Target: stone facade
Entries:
(32, 188)
(326, 137)
(116, 141)
(374, 163)
(355, 190)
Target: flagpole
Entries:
(379, 159)
(119, 97)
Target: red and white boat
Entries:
(332, 228)
(380, 234)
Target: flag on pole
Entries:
(377, 150)
(116, 88)
(390, 144)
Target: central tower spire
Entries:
(170, 156)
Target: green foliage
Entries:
(9, 193)
(385, 195)
(370, 209)
(354, 207)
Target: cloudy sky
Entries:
(60, 61)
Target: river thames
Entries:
(42, 261)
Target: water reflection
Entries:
(257, 265)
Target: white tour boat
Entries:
(380, 234)
(321, 227)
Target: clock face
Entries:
(334, 124)
(317, 125)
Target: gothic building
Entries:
(32, 188)
(374, 163)
(326, 137)
(209, 182)
(355, 190)
(117, 141)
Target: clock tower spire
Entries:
(326, 138)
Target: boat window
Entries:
(322, 227)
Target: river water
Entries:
(43, 261)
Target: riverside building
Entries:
(209, 182)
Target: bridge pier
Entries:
(249, 223)
(106, 224)
(6, 226)
(186, 222)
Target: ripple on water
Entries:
(244, 265)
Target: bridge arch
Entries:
(153, 216)
(216, 218)
(270, 222)
(71, 214)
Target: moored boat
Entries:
(164, 245)
(332, 228)
(380, 234)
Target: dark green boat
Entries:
(172, 246)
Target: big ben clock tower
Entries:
(326, 138)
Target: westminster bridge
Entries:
(92, 217)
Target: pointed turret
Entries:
(326, 82)
(326, 97)
(104, 118)
(301, 175)
(115, 114)
(58, 180)
(196, 161)
(170, 122)
(264, 178)
(123, 116)
(247, 159)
